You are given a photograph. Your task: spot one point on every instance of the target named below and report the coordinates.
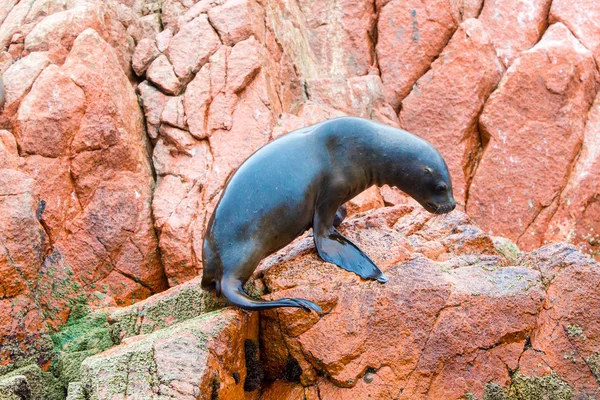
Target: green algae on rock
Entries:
(550, 387)
(30, 382)
(182, 361)
(177, 304)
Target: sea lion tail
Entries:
(234, 292)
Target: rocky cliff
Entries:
(123, 119)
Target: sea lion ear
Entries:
(428, 171)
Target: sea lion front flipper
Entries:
(337, 249)
(340, 214)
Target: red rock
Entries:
(145, 52)
(582, 20)
(50, 114)
(411, 35)
(251, 127)
(146, 27)
(534, 124)
(19, 77)
(568, 328)
(24, 339)
(191, 168)
(196, 102)
(360, 96)
(198, 357)
(514, 26)
(176, 204)
(340, 35)
(182, 140)
(23, 238)
(281, 390)
(237, 20)
(314, 113)
(163, 39)
(173, 113)
(577, 218)
(13, 20)
(220, 112)
(154, 102)
(191, 47)
(58, 31)
(9, 153)
(448, 118)
(413, 336)
(218, 70)
(58, 203)
(367, 200)
(111, 174)
(161, 73)
(243, 63)
(287, 123)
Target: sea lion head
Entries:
(430, 182)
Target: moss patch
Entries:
(574, 330)
(506, 248)
(77, 340)
(145, 317)
(550, 387)
(41, 385)
(594, 363)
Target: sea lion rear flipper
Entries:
(335, 248)
(234, 293)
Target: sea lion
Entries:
(301, 180)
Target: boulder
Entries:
(514, 26)
(533, 125)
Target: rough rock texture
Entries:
(76, 174)
(515, 26)
(201, 358)
(456, 319)
(100, 206)
(534, 123)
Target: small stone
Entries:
(161, 73)
(145, 52)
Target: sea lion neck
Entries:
(376, 154)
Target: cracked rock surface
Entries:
(123, 120)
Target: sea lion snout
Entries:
(441, 208)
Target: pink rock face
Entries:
(57, 32)
(411, 35)
(23, 245)
(145, 52)
(20, 76)
(161, 73)
(80, 132)
(534, 125)
(445, 103)
(340, 34)
(237, 20)
(515, 26)
(49, 116)
(581, 20)
(576, 219)
(191, 47)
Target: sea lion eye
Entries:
(440, 189)
(428, 171)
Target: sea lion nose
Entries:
(452, 205)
